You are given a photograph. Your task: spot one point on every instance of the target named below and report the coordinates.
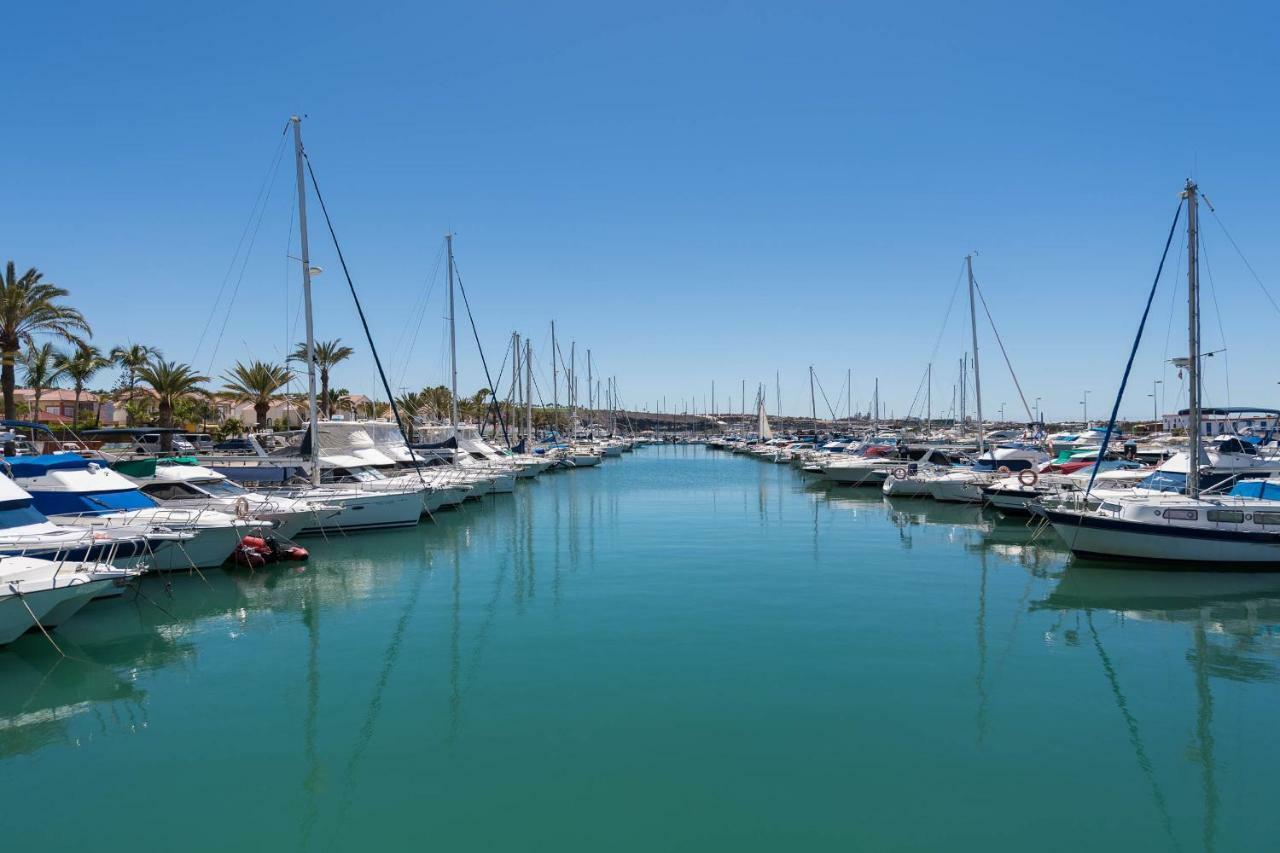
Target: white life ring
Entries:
(242, 507)
(899, 473)
(1028, 477)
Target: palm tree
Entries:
(80, 365)
(476, 406)
(131, 358)
(173, 382)
(327, 354)
(28, 307)
(438, 400)
(40, 366)
(255, 383)
(410, 405)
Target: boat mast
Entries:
(453, 345)
(928, 405)
(977, 376)
(516, 385)
(590, 399)
(875, 405)
(528, 395)
(314, 428)
(1193, 341)
(555, 380)
(813, 403)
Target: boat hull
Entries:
(1188, 548)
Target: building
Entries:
(58, 406)
(1226, 421)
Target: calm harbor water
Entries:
(680, 649)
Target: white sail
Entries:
(762, 421)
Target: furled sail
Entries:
(762, 421)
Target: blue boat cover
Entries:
(38, 466)
(1262, 489)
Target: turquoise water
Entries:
(677, 650)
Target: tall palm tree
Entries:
(438, 400)
(29, 307)
(131, 358)
(80, 365)
(255, 383)
(41, 371)
(173, 382)
(327, 354)
(410, 405)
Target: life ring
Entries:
(242, 507)
(899, 473)
(1003, 469)
(1028, 477)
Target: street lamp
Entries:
(1085, 404)
(1155, 403)
(1039, 419)
(1002, 413)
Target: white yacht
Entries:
(965, 485)
(48, 592)
(74, 491)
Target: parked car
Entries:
(234, 445)
(201, 441)
(150, 443)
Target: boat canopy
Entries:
(1262, 489)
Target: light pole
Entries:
(1085, 404)
(1155, 403)
(1002, 413)
(1039, 419)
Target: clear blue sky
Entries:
(696, 194)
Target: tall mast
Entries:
(590, 398)
(573, 383)
(777, 392)
(713, 396)
(555, 379)
(528, 395)
(977, 375)
(516, 383)
(453, 345)
(875, 404)
(848, 393)
(813, 402)
(964, 360)
(1193, 340)
(314, 428)
(928, 405)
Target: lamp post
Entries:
(1002, 413)
(1085, 404)
(1155, 403)
(1039, 419)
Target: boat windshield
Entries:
(1164, 481)
(92, 503)
(997, 464)
(224, 488)
(19, 514)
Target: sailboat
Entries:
(362, 508)
(1197, 530)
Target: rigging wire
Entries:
(488, 378)
(1003, 352)
(391, 398)
(1213, 293)
(1124, 380)
(1234, 245)
(259, 207)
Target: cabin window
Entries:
(1229, 516)
(1182, 514)
(1110, 507)
(171, 491)
(1267, 517)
